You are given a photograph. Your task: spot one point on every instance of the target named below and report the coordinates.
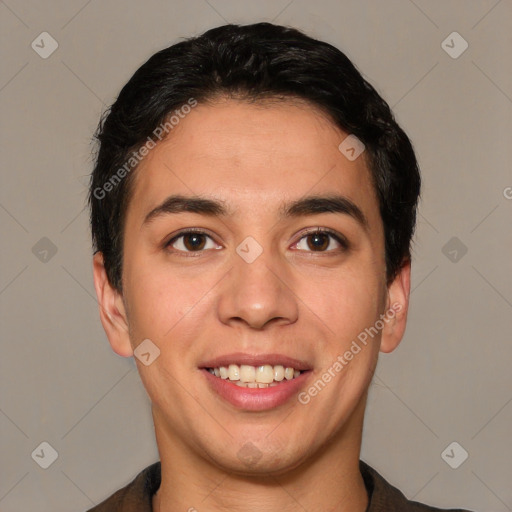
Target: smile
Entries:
(262, 376)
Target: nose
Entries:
(258, 294)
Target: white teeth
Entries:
(247, 373)
(264, 374)
(234, 372)
(255, 377)
(278, 373)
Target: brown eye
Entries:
(321, 241)
(318, 241)
(191, 241)
(194, 241)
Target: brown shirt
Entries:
(137, 495)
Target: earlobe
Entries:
(396, 309)
(112, 310)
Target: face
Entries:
(278, 264)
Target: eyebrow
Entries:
(310, 205)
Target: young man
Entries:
(252, 208)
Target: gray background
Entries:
(450, 378)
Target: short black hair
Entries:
(251, 62)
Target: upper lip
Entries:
(256, 360)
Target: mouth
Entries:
(263, 376)
(256, 383)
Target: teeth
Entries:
(264, 374)
(278, 373)
(288, 374)
(248, 373)
(255, 377)
(233, 372)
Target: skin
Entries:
(292, 299)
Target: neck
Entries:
(329, 480)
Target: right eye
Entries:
(192, 241)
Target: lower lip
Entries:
(256, 399)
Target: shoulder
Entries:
(385, 497)
(136, 496)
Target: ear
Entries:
(397, 306)
(112, 310)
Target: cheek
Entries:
(166, 304)
(168, 310)
(156, 298)
(346, 302)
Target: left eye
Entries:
(192, 242)
(320, 241)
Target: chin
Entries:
(258, 459)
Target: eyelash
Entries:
(342, 241)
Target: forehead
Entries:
(252, 155)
